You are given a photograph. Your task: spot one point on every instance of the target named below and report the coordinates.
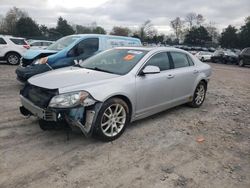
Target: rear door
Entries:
(3, 45)
(185, 74)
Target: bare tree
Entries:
(9, 22)
(190, 19)
(147, 30)
(199, 19)
(177, 25)
(213, 32)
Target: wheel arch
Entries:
(126, 100)
(5, 56)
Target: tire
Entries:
(112, 120)
(13, 58)
(202, 59)
(241, 63)
(197, 101)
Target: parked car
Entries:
(244, 57)
(107, 91)
(67, 51)
(40, 44)
(12, 49)
(224, 56)
(204, 56)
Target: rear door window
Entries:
(179, 59)
(2, 41)
(160, 60)
(36, 44)
(18, 41)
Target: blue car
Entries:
(67, 51)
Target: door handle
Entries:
(195, 71)
(170, 76)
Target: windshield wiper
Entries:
(98, 69)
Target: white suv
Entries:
(12, 49)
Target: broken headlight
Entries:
(69, 100)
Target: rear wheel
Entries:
(13, 58)
(112, 119)
(199, 95)
(241, 63)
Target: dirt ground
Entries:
(160, 151)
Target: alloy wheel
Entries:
(113, 120)
(200, 94)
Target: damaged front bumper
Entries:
(81, 117)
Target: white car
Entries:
(204, 56)
(12, 49)
(39, 44)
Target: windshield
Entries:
(62, 43)
(115, 61)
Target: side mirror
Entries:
(150, 69)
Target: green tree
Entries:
(98, 30)
(26, 27)
(229, 37)
(120, 31)
(197, 36)
(244, 35)
(63, 27)
(82, 29)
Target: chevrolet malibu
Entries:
(106, 92)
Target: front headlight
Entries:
(41, 61)
(71, 100)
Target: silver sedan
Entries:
(106, 92)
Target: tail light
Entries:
(26, 46)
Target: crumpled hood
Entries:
(68, 77)
(31, 54)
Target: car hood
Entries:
(68, 77)
(31, 54)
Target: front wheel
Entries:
(199, 95)
(112, 119)
(13, 58)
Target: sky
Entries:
(131, 13)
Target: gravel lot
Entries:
(160, 151)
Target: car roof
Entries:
(153, 49)
(9, 36)
(103, 35)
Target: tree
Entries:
(82, 29)
(199, 19)
(197, 36)
(98, 30)
(213, 32)
(146, 31)
(244, 35)
(8, 25)
(120, 31)
(63, 27)
(177, 25)
(26, 27)
(44, 30)
(229, 38)
(190, 19)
